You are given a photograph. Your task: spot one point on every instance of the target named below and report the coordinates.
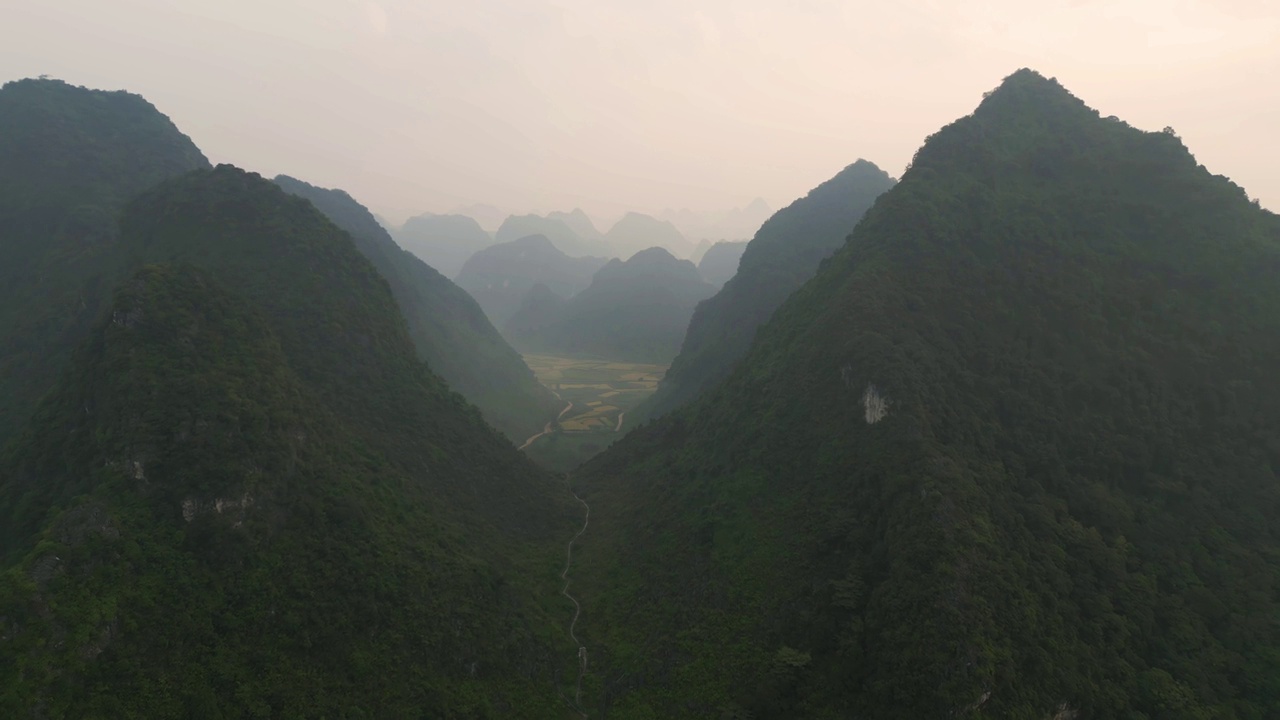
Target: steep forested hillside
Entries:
(69, 159)
(784, 254)
(443, 241)
(720, 262)
(500, 276)
(1012, 452)
(635, 311)
(249, 497)
(448, 328)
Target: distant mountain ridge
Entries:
(579, 223)
(720, 262)
(732, 225)
(557, 231)
(634, 310)
(442, 241)
(500, 276)
(634, 232)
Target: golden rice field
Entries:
(601, 391)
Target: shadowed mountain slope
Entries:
(1012, 452)
(448, 328)
(70, 158)
(784, 254)
(248, 495)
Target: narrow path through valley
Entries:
(547, 429)
(577, 609)
(620, 416)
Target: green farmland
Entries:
(602, 392)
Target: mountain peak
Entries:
(652, 256)
(912, 438)
(1025, 93)
(786, 250)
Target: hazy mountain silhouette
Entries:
(635, 310)
(500, 276)
(720, 262)
(636, 231)
(735, 224)
(442, 241)
(557, 231)
(700, 250)
(579, 223)
(487, 216)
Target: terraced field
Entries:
(601, 391)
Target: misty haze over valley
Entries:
(567, 359)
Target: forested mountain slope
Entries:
(249, 497)
(635, 311)
(784, 253)
(1012, 452)
(70, 157)
(448, 328)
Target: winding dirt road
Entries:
(577, 609)
(546, 430)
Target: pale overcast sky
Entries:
(424, 105)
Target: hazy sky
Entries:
(417, 105)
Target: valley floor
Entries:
(598, 394)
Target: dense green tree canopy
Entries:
(448, 328)
(248, 497)
(1012, 452)
(70, 158)
(783, 255)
